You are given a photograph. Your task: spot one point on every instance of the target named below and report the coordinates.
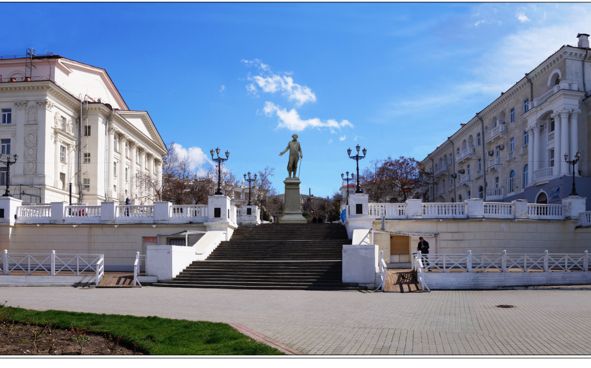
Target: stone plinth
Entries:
(292, 211)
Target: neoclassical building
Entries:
(73, 132)
(515, 148)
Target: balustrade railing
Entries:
(135, 211)
(496, 131)
(498, 210)
(387, 210)
(82, 211)
(545, 211)
(189, 211)
(504, 262)
(444, 210)
(38, 211)
(585, 219)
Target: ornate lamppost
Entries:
(250, 180)
(219, 160)
(357, 157)
(347, 178)
(573, 162)
(8, 160)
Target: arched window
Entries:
(524, 176)
(512, 181)
(481, 192)
(464, 145)
(471, 142)
(478, 139)
(542, 198)
(460, 199)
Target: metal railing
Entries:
(505, 262)
(53, 264)
(382, 272)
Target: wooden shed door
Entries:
(399, 248)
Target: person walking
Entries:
(423, 247)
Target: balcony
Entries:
(466, 154)
(464, 179)
(494, 163)
(563, 85)
(543, 174)
(495, 194)
(496, 132)
(441, 170)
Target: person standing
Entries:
(423, 247)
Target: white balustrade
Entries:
(545, 211)
(135, 213)
(585, 218)
(444, 210)
(33, 214)
(498, 210)
(466, 154)
(496, 131)
(387, 210)
(182, 213)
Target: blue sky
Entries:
(395, 78)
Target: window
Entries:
(468, 171)
(512, 145)
(512, 181)
(137, 157)
(87, 130)
(481, 192)
(114, 169)
(497, 182)
(127, 174)
(524, 175)
(64, 122)
(5, 146)
(526, 105)
(552, 125)
(62, 181)
(127, 149)
(3, 176)
(86, 157)
(116, 142)
(512, 115)
(469, 195)
(478, 139)
(479, 165)
(86, 184)
(551, 157)
(6, 116)
(525, 138)
(62, 154)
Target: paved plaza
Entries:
(554, 321)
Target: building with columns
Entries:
(515, 148)
(73, 133)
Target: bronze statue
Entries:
(295, 154)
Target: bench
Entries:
(407, 278)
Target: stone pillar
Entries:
(8, 208)
(564, 149)
(557, 143)
(358, 205)
(520, 209)
(573, 206)
(292, 211)
(530, 156)
(108, 213)
(475, 207)
(162, 211)
(414, 208)
(57, 212)
(574, 135)
(218, 207)
(536, 149)
(109, 163)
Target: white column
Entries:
(574, 132)
(557, 158)
(109, 164)
(530, 155)
(132, 168)
(564, 149)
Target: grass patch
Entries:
(150, 335)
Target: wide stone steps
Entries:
(302, 256)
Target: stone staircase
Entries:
(274, 256)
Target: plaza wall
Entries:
(457, 236)
(119, 243)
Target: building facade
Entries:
(517, 146)
(74, 135)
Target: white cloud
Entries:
(522, 18)
(342, 138)
(290, 119)
(505, 62)
(270, 82)
(196, 159)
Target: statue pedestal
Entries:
(292, 211)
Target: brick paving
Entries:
(554, 321)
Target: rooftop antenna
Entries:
(29, 64)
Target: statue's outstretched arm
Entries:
(285, 150)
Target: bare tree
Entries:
(393, 180)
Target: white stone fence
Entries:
(503, 262)
(112, 213)
(53, 264)
(477, 208)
